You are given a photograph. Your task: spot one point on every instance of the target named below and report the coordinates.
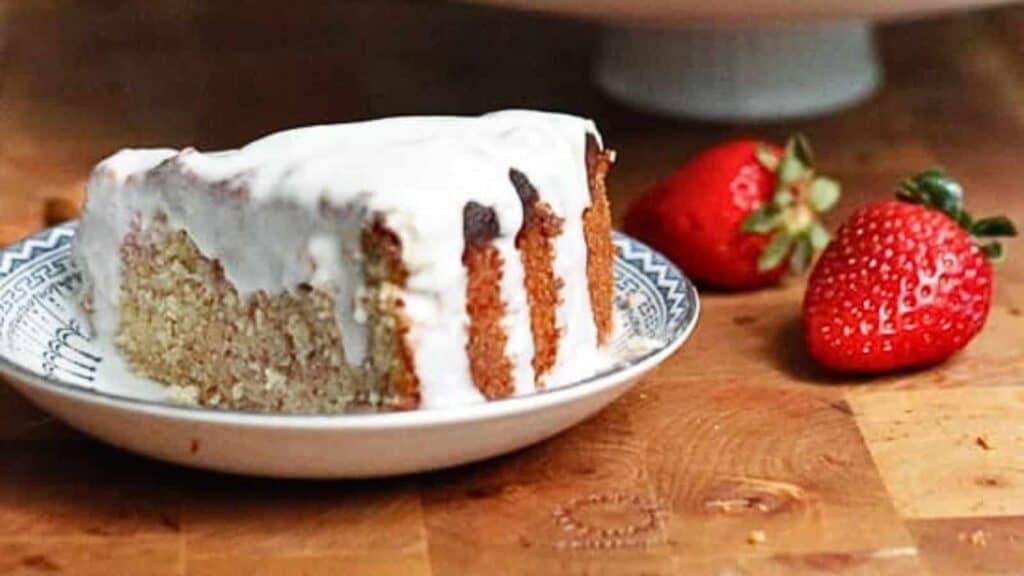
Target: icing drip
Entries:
(287, 209)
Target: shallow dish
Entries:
(46, 356)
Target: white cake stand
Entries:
(739, 60)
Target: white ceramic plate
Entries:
(46, 357)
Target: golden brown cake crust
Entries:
(489, 368)
(597, 230)
(536, 250)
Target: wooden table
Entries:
(736, 457)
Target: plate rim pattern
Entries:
(679, 298)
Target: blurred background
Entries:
(80, 79)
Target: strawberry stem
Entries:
(792, 215)
(933, 188)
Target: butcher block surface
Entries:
(736, 457)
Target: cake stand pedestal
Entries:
(739, 72)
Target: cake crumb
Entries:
(756, 537)
(359, 313)
(634, 299)
(977, 538)
(983, 442)
(186, 395)
(640, 345)
(273, 379)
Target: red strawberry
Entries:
(904, 284)
(732, 215)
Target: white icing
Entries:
(106, 217)
(567, 191)
(287, 209)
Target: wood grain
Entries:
(896, 562)
(146, 556)
(953, 546)
(735, 457)
(738, 456)
(976, 431)
(320, 522)
(584, 503)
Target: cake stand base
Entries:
(740, 73)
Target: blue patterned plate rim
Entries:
(631, 254)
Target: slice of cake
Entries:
(392, 264)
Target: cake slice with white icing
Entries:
(391, 264)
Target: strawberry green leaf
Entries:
(761, 221)
(824, 193)
(909, 194)
(964, 220)
(800, 259)
(766, 157)
(774, 252)
(792, 215)
(933, 188)
(818, 236)
(993, 251)
(993, 227)
(798, 219)
(799, 147)
(783, 197)
(790, 170)
(944, 198)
